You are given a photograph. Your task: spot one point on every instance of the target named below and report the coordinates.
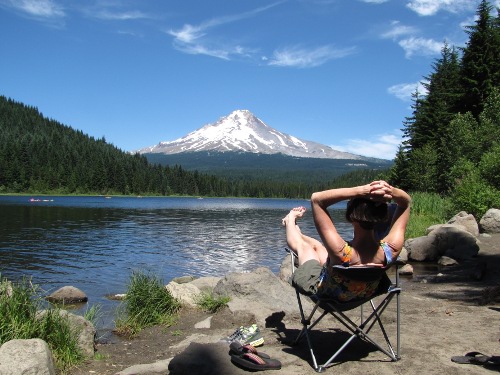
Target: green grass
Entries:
(210, 303)
(20, 306)
(427, 209)
(147, 303)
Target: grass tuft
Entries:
(147, 303)
(210, 303)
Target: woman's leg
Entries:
(306, 247)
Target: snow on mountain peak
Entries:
(242, 131)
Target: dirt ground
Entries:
(445, 313)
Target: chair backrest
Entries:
(360, 273)
(374, 276)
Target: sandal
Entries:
(477, 358)
(252, 361)
(240, 349)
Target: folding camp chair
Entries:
(337, 309)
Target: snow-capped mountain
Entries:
(241, 131)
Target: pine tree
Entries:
(480, 69)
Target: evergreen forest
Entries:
(451, 141)
(42, 156)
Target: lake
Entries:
(95, 243)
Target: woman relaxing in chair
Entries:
(367, 207)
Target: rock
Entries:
(86, 332)
(259, 292)
(159, 367)
(490, 222)
(183, 279)
(194, 359)
(447, 261)
(67, 295)
(448, 239)
(479, 271)
(421, 248)
(26, 357)
(206, 284)
(467, 221)
(406, 270)
(204, 323)
(285, 272)
(116, 297)
(6, 288)
(187, 293)
(403, 256)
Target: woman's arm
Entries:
(320, 201)
(396, 236)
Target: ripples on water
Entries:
(95, 243)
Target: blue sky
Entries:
(137, 72)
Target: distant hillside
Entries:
(274, 167)
(42, 156)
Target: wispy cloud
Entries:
(404, 91)
(398, 30)
(420, 46)
(119, 15)
(431, 7)
(193, 38)
(383, 146)
(45, 9)
(307, 57)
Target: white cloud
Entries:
(383, 146)
(187, 34)
(431, 7)
(398, 30)
(307, 58)
(37, 8)
(120, 16)
(404, 91)
(420, 46)
(193, 39)
(375, 1)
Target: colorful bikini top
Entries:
(347, 253)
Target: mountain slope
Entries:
(241, 131)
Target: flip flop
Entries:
(254, 362)
(477, 358)
(238, 348)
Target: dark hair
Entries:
(366, 212)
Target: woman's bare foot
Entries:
(296, 212)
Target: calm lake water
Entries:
(95, 243)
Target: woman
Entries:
(366, 208)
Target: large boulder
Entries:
(467, 221)
(259, 292)
(26, 357)
(450, 240)
(490, 222)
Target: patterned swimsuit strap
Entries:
(387, 252)
(346, 254)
